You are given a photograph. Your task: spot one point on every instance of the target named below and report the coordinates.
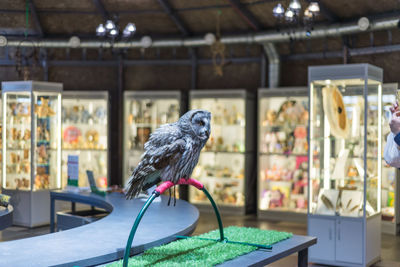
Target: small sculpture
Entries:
(44, 110)
(172, 151)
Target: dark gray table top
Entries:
(6, 217)
(103, 240)
(280, 250)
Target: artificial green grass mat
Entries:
(196, 252)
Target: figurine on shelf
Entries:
(300, 142)
(276, 199)
(27, 135)
(42, 154)
(270, 118)
(74, 114)
(101, 114)
(43, 109)
(85, 116)
(92, 139)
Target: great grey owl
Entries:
(172, 151)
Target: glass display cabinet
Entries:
(145, 111)
(390, 175)
(31, 145)
(224, 164)
(282, 153)
(85, 134)
(345, 160)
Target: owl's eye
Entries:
(202, 123)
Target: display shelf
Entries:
(282, 153)
(145, 111)
(85, 134)
(224, 164)
(222, 152)
(390, 175)
(31, 147)
(85, 149)
(344, 185)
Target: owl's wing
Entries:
(165, 145)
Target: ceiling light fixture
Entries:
(294, 16)
(111, 29)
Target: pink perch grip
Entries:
(168, 184)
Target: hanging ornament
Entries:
(218, 50)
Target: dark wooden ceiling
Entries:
(168, 17)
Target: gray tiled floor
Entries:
(390, 251)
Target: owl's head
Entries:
(197, 122)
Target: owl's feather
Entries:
(171, 153)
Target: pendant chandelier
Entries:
(111, 29)
(293, 14)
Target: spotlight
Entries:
(289, 15)
(130, 27)
(129, 30)
(278, 11)
(313, 7)
(110, 25)
(295, 6)
(114, 32)
(100, 30)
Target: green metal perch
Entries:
(161, 189)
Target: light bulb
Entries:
(130, 27)
(126, 33)
(110, 25)
(278, 10)
(313, 7)
(100, 30)
(308, 14)
(114, 32)
(295, 5)
(289, 15)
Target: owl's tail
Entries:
(143, 177)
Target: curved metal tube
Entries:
(161, 188)
(135, 226)
(221, 228)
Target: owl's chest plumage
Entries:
(182, 166)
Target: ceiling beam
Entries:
(176, 19)
(326, 12)
(245, 14)
(18, 32)
(35, 18)
(100, 7)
